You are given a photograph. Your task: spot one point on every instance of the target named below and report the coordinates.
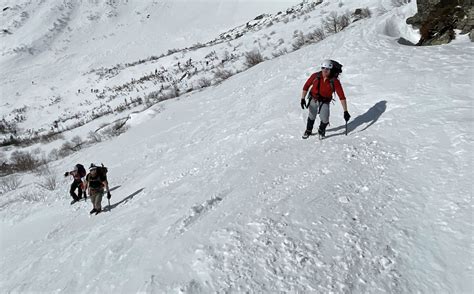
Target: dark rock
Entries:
(443, 38)
(437, 20)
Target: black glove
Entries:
(303, 103)
(347, 116)
(109, 195)
(66, 174)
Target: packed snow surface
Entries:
(216, 192)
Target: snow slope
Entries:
(218, 193)
(46, 37)
(78, 29)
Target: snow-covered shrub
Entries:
(9, 183)
(49, 179)
(344, 21)
(66, 149)
(120, 108)
(330, 23)
(9, 141)
(77, 142)
(299, 40)
(222, 74)
(115, 130)
(366, 13)
(53, 155)
(204, 82)
(172, 51)
(172, 93)
(335, 23)
(152, 97)
(23, 161)
(226, 56)
(253, 58)
(316, 35)
(7, 127)
(50, 137)
(31, 196)
(279, 52)
(94, 137)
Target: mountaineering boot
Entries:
(322, 129)
(98, 211)
(309, 128)
(93, 211)
(74, 199)
(306, 134)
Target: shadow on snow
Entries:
(114, 188)
(124, 200)
(370, 116)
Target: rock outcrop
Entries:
(437, 20)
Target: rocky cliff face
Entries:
(437, 20)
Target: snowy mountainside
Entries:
(45, 37)
(216, 192)
(103, 96)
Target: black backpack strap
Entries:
(320, 106)
(318, 77)
(333, 89)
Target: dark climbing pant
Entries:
(77, 184)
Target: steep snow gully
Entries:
(218, 193)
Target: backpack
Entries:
(102, 171)
(336, 69)
(81, 170)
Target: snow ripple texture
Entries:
(218, 193)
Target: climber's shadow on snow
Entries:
(369, 117)
(124, 200)
(114, 188)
